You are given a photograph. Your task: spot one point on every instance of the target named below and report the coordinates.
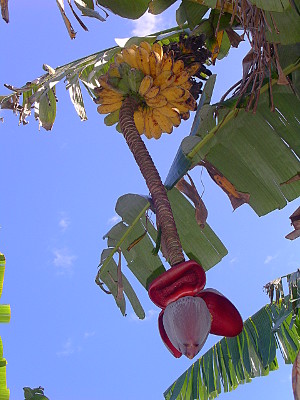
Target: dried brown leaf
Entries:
(296, 377)
(236, 198)
(72, 33)
(191, 192)
(4, 10)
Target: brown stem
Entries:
(158, 192)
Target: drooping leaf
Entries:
(77, 100)
(45, 109)
(255, 152)
(88, 10)
(158, 6)
(135, 236)
(126, 8)
(70, 29)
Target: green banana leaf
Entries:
(136, 235)
(4, 317)
(257, 153)
(235, 361)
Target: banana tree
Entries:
(4, 318)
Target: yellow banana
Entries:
(152, 92)
(185, 106)
(175, 119)
(145, 85)
(129, 56)
(164, 122)
(113, 71)
(147, 131)
(108, 108)
(192, 69)
(159, 50)
(142, 58)
(157, 101)
(119, 59)
(168, 82)
(104, 84)
(182, 78)
(187, 85)
(162, 78)
(185, 116)
(146, 46)
(153, 61)
(139, 120)
(170, 111)
(178, 67)
(133, 47)
(109, 99)
(173, 93)
(155, 129)
(167, 62)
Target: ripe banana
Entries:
(158, 49)
(178, 67)
(167, 63)
(146, 85)
(146, 46)
(142, 59)
(147, 131)
(152, 92)
(153, 61)
(173, 93)
(139, 120)
(170, 111)
(157, 101)
(113, 71)
(130, 57)
(108, 108)
(164, 122)
(154, 126)
(109, 97)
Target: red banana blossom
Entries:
(190, 313)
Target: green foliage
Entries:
(257, 153)
(4, 317)
(135, 237)
(234, 361)
(34, 394)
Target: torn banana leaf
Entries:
(136, 236)
(258, 154)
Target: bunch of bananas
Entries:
(160, 85)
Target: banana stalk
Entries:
(164, 215)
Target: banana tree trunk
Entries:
(157, 190)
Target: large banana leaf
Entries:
(258, 154)
(135, 236)
(234, 361)
(4, 317)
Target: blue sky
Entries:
(58, 192)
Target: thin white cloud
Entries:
(233, 260)
(67, 349)
(64, 223)
(150, 315)
(87, 334)
(269, 259)
(63, 260)
(147, 24)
